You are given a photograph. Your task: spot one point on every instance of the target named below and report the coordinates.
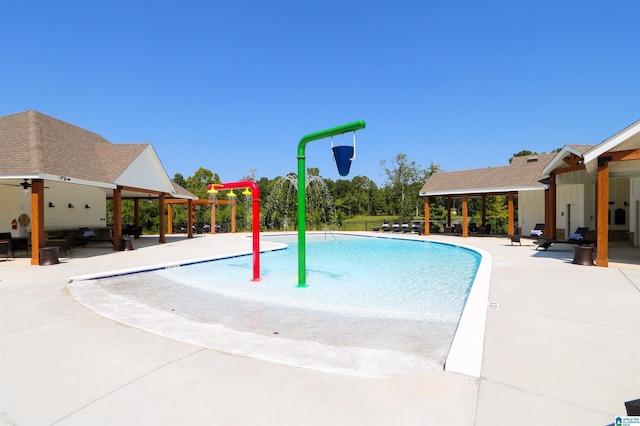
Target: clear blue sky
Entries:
(234, 85)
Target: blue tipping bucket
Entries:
(343, 155)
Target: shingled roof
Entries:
(37, 145)
(523, 174)
(34, 143)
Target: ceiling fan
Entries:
(25, 185)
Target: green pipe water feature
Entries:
(302, 205)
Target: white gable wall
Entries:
(147, 172)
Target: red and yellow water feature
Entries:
(255, 220)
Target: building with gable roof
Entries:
(523, 177)
(594, 186)
(59, 176)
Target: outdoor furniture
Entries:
(575, 238)
(127, 244)
(395, 227)
(537, 230)
(132, 230)
(415, 227)
(583, 255)
(486, 229)
(49, 256)
(5, 244)
(515, 239)
(457, 229)
(384, 227)
(405, 228)
(64, 244)
(20, 244)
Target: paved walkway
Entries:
(562, 346)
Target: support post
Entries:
(427, 213)
(161, 224)
(511, 217)
(302, 205)
(190, 218)
(465, 216)
(602, 214)
(552, 208)
(37, 219)
(117, 218)
(169, 219)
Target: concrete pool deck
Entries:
(562, 346)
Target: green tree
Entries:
(404, 180)
(523, 153)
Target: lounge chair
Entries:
(395, 227)
(405, 228)
(575, 238)
(384, 227)
(537, 230)
(457, 228)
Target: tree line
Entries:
(397, 198)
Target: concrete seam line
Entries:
(127, 384)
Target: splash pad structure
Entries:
(343, 157)
(255, 198)
(280, 208)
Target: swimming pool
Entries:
(374, 307)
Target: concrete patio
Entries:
(562, 346)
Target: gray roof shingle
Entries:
(522, 173)
(33, 143)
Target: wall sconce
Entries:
(51, 204)
(87, 206)
(611, 202)
(625, 203)
(70, 206)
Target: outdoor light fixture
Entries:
(51, 204)
(70, 205)
(87, 206)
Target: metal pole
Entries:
(255, 196)
(302, 205)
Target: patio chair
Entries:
(457, 228)
(64, 244)
(405, 228)
(575, 238)
(395, 227)
(537, 230)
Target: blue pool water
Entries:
(348, 274)
(373, 306)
